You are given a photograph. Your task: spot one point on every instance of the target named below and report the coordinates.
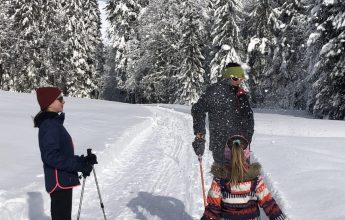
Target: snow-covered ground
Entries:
(147, 168)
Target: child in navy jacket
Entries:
(60, 165)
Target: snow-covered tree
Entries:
(285, 73)
(6, 39)
(157, 60)
(81, 78)
(259, 28)
(191, 74)
(51, 45)
(326, 47)
(92, 23)
(123, 18)
(29, 51)
(225, 35)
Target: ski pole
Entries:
(99, 192)
(81, 198)
(202, 180)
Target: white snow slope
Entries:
(147, 168)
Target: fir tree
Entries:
(285, 72)
(123, 18)
(29, 51)
(191, 76)
(95, 58)
(52, 47)
(81, 78)
(225, 35)
(260, 24)
(326, 45)
(6, 39)
(158, 60)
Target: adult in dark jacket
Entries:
(60, 165)
(229, 113)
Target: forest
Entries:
(169, 51)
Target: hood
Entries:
(223, 172)
(42, 116)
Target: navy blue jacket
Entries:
(57, 152)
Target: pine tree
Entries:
(208, 20)
(42, 52)
(80, 77)
(6, 39)
(191, 75)
(326, 48)
(29, 50)
(123, 18)
(225, 35)
(36, 42)
(95, 57)
(158, 60)
(260, 24)
(284, 73)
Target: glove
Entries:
(199, 146)
(86, 170)
(91, 159)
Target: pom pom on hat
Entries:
(46, 96)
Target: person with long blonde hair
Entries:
(238, 190)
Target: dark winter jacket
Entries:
(57, 152)
(239, 202)
(228, 111)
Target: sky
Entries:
(147, 168)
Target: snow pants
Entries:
(61, 204)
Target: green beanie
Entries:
(235, 71)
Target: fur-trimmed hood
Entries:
(222, 171)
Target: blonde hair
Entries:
(238, 163)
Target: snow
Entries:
(147, 168)
(105, 23)
(313, 38)
(253, 42)
(328, 2)
(226, 47)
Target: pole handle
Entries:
(89, 151)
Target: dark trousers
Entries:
(61, 204)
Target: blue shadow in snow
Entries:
(35, 203)
(167, 208)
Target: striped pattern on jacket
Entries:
(240, 202)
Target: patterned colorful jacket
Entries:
(240, 202)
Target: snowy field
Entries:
(147, 168)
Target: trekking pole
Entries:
(99, 192)
(81, 198)
(202, 180)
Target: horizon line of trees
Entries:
(168, 51)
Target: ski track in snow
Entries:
(141, 174)
(143, 181)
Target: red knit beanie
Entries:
(46, 96)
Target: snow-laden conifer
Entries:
(326, 46)
(225, 32)
(191, 75)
